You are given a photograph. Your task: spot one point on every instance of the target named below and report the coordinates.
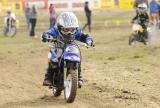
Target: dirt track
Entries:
(115, 74)
(23, 63)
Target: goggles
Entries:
(68, 31)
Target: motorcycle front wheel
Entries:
(70, 85)
(10, 32)
(132, 40)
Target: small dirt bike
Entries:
(139, 34)
(10, 28)
(65, 77)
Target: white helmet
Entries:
(8, 9)
(142, 7)
(67, 24)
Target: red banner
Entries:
(60, 5)
(40, 4)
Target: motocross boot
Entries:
(49, 74)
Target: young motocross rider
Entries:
(142, 18)
(67, 28)
(10, 18)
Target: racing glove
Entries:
(89, 41)
(45, 37)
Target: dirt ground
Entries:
(115, 74)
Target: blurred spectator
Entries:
(88, 15)
(52, 15)
(27, 15)
(33, 20)
(154, 9)
(137, 2)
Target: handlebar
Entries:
(87, 46)
(52, 40)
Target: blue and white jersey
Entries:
(54, 32)
(79, 35)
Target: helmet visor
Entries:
(68, 31)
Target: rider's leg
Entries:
(48, 76)
(52, 66)
(145, 37)
(145, 33)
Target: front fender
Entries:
(71, 57)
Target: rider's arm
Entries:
(135, 18)
(51, 32)
(80, 36)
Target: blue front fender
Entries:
(71, 57)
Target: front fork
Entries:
(67, 66)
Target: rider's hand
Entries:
(89, 42)
(45, 37)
